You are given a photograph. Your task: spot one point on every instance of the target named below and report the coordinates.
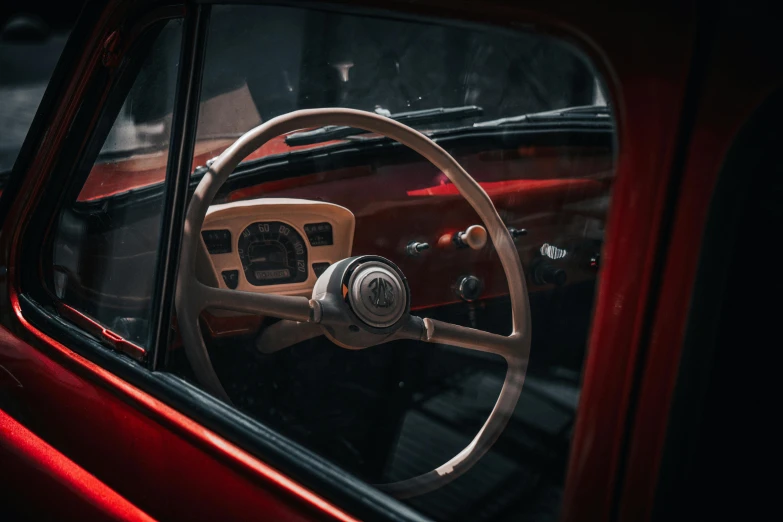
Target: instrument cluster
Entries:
(273, 245)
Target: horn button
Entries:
(361, 300)
(377, 294)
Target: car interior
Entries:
(342, 264)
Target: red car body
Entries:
(682, 82)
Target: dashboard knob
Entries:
(414, 248)
(545, 273)
(474, 237)
(469, 288)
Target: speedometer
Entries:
(272, 253)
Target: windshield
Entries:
(262, 63)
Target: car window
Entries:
(104, 259)
(29, 50)
(327, 59)
(524, 114)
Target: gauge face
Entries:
(272, 253)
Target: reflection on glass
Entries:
(104, 257)
(526, 117)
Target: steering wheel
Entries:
(361, 301)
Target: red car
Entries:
(388, 261)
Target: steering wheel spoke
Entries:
(439, 332)
(295, 308)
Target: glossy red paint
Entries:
(212, 474)
(67, 487)
(533, 188)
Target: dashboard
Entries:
(273, 245)
(290, 230)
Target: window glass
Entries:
(525, 116)
(29, 50)
(104, 254)
(325, 59)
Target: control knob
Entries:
(474, 237)
(469, 288)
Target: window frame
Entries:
(90, 128)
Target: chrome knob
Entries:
(415, 248)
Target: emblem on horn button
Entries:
(377, 294)
(381, 293)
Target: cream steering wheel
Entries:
(361, 301)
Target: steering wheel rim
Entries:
(193, 296)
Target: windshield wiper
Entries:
(412, 118)
(583, 113)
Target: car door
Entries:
(32, 41)
(29, 460)
(91, 299)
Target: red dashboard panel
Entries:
(555, 194)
